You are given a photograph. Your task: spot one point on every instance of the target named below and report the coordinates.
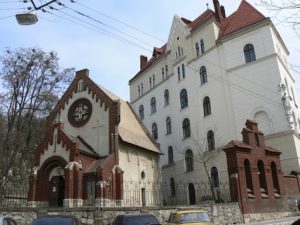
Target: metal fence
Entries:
(13, 196)
(137, 194)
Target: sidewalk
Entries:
(284, 221)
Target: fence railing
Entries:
(136, 194)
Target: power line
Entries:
(98, 29)
(121, 22)
(6, 17)
(102, 23)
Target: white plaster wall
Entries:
(237, 92)
(289, 144)
(134, 160)
(96, 131)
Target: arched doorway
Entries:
(50, 184)
(56, 191)
(192, 195)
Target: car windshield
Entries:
(194, 217)
(53, 221)
(140, 220)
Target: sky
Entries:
(108, 36)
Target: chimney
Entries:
(218, 10)
(84, 72)
(143, 61)
(223, 11)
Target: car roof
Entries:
(139, 214)
(190, 211)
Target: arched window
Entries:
(168, 125)
(154, 131)
(183, 71)
(275, 180)
(249, 53)
(166, 96)
(203, 75)
(141, 112)
(170, 155)
(153, 105)
(210, 140)
(248, 176)
(197, 49)
(186, 128)
(172, 187)
(262, 179)
(214, 176)
(206, 106)
(189, 160)
(202, 46)
(183, 98)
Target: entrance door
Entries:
(144, 197)
(192, 196)
(56, 191)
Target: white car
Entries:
(6, 220)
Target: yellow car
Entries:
(190, 217)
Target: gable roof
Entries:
(132, 131)
(246, 15)
(199, 20)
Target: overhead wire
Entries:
(102, 23)
(98, 29)
(119, 21)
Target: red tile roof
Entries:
(157, 53)
(246, 15)
(199, 20)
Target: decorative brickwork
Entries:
(256, 178)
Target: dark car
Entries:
(56, 220)
(135, 219)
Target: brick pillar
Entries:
(255, 182)
(68, 201)
(269, 180)
(77, 187)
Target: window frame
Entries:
(186, 128)
(184, 101)
(153, 105)
(249, 53)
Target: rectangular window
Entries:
(153, 80)
(139, 90)
(150, 82)
(183, 71)
(167, 71)
(142, 89)
(163, 73)
(178, 73)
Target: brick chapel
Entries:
(94, 147)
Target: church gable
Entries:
(88, 112)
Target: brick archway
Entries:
(42, 182)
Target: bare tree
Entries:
(285, 11)
(206, 156)
(32, 82)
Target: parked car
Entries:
(190, 217)
(6, 220)
(297, 222)
(135, 219)
(56, 220)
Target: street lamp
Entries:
(29, 18)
